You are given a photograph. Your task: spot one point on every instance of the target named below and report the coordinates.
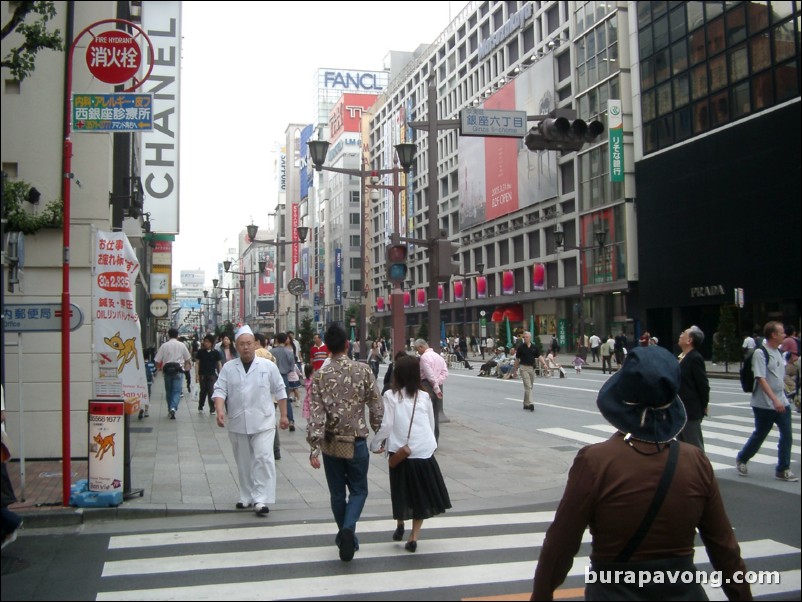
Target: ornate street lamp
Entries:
(405, 155)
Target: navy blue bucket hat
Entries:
(641, 399)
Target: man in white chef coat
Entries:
(243, 397)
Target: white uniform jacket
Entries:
(249, 397)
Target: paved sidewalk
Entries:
(186, 466)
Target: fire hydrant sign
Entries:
(113, 57)
(106, 445)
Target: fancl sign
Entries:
(355, 81)
(514, 23)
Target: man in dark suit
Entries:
(694, 390)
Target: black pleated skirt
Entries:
(417, 489)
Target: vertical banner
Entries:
(160, 147)
(459, 290)
(481, 287)
(106, 441)
(407, 299)
(420, 295)
(305, 276)
(538, 277)
(508, 283)
(117, 339)
(296, 247)
(380, 304)
(338, 276)
(615, 125)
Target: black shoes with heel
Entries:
(411, 546)
(398, 534)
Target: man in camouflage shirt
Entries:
(340, 392)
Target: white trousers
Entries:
(256, 466)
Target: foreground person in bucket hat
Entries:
(615, 487)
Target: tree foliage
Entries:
(305, 339)
(20, 219)
(726, 344)
(30, 20)
(423, 331)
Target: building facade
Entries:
(107, 193)
(718, 95)
(500, 203)
(685, 81)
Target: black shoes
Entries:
(172, 414)
(398, 534)
(346, 545)
(261, 509)
(241, 506)
(141, 414)
(292, 427)
(530, 407)
(411, 546)
(277, 455)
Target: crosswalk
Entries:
(459, 556)
(724, 437)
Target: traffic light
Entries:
(561, 130)
(397, 263)
(446, 266)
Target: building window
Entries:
(353, 219)
(743, 58)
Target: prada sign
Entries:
(714, 290)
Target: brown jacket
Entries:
(610, 487)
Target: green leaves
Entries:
(21, 59)
(27, 222)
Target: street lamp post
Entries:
(253, 230)
(601, 238)
(405, 153)
(261, 270)
(480, 269)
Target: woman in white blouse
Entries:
(417, 489)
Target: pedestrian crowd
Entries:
(653, 468)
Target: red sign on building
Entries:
(347, 113)
(113, 57)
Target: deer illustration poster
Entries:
(106, 445)
(120, 372)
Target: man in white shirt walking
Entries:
(173, 360)
(595, 343)
(243, 395)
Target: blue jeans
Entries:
(290, 415)
(764, 420)
(353, 474)
(172, 389)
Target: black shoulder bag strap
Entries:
(659, 497)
